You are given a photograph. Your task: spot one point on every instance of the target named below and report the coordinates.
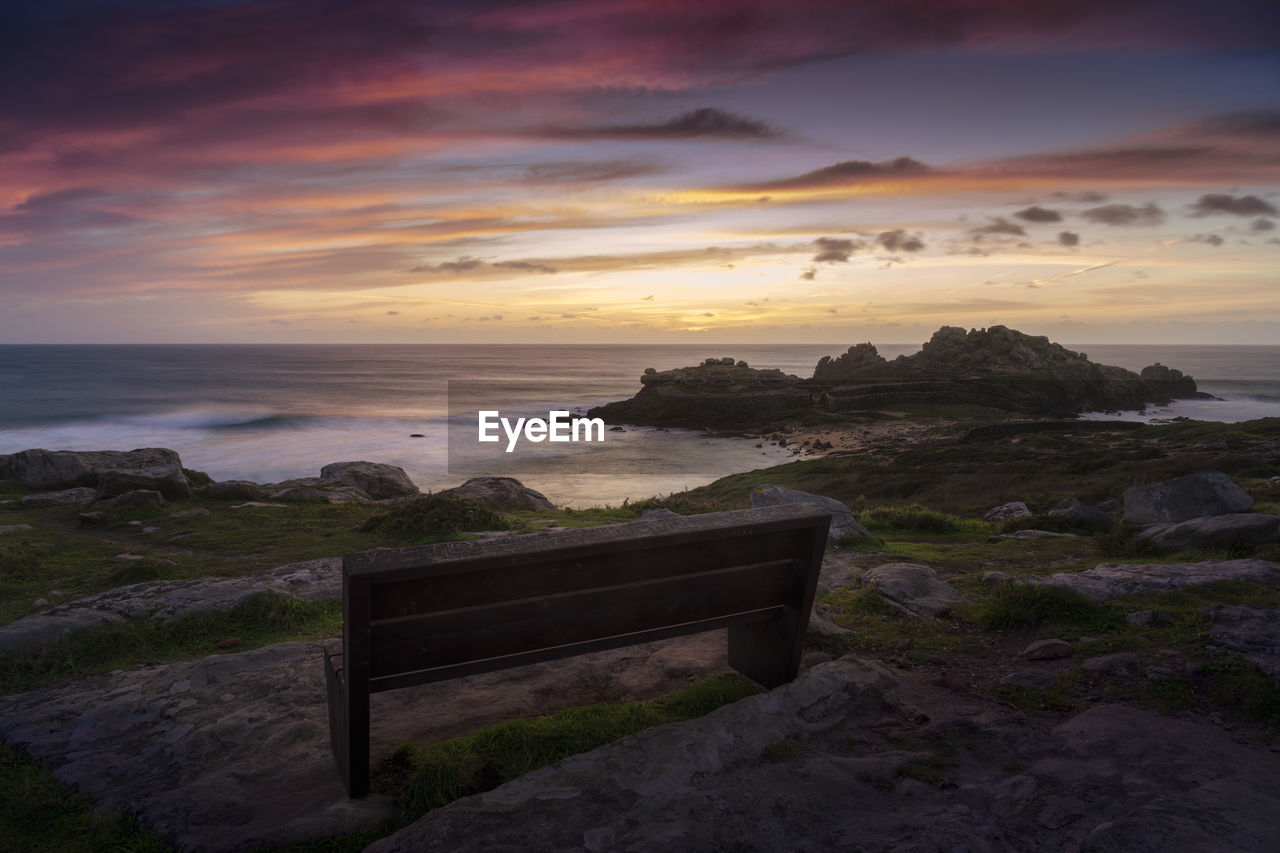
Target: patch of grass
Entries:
(1243, 689)
(1018, 606)
(439, 773)
(39, 813)
(261, 620)
(782, 750)
(916, 518)
(436, 517)
(930, 771)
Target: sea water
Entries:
(268, 413)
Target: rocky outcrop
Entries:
(995, 367)
(842, 521)
(168, 480)
(1193, 496)
(234, 490)
(1252, 631)
(1113, 580)
(710, 395)
(501, 492)
(164, 601)
(1074, 512)
(835, 761)
(377, 480)
(63, 469)
(231, 752)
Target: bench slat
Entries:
(455, 636)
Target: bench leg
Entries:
(348, 727)
(767, 652)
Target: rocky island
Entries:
(997, 368)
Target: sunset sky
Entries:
(638, 171)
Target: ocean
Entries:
(268, 413)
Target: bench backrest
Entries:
(428, 613)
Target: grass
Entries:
(39, 813)
(438, 773)
(259, 621)
(1020, 607)
(436, 517)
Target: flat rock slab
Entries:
(1112, 580)
(1252, 631)
(917, 590)
(1214, 531)
(232, 751)
(312, 580)
(1109, 779)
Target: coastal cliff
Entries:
(997, 368)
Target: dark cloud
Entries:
(1038, 214)
(703, 123)
(78, 207)
(463, 264)
(525, 266)
(808, 275)
(588, 173)
(1067, 238)
(1257, 123)
(1082, 197)
(1125, 214)
(1000, 225)
(1262, 225)
(835, 251)
(1245, 205)
(851, 171)
(898, 240)
(392, 313)
(1211, 239)
(469, 264)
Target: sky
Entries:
(638, 171)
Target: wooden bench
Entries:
(430, 613)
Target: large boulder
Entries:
(377, 480)
(168, 480)
(500, 491)
(842, 521)
(1007, 512)
(915, 589)
(63, 469)
(1193, 496)
(1113, 580)
(234, 490)
(1072, 511)
(1214, 531)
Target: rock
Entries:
(500, 491)
(1047, 650)
(314, 490)
(658, 512)
(194, 512)
(62, 469)
(80, 495)
(168, 480)
(710, 395)
(1034, 534)
(14, 528)
(1007, 512)
(1074, 512)
(1121, 663)
(1038, 679)
(164, 601)
(842, 521)
(234, 490)
(251, 504)
(375, 479)
(1126, 778)
(231, 752)
(1113, 580)
(1150, 618)
(1214, 531)
(89, 519)
(848, 365)
(1252, 631)
(915, 589)
(1193, 496)
(837, 572)
(138, 497)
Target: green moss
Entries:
(38, 813)
(1018, 607)
(436, 516)
(438, 773)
